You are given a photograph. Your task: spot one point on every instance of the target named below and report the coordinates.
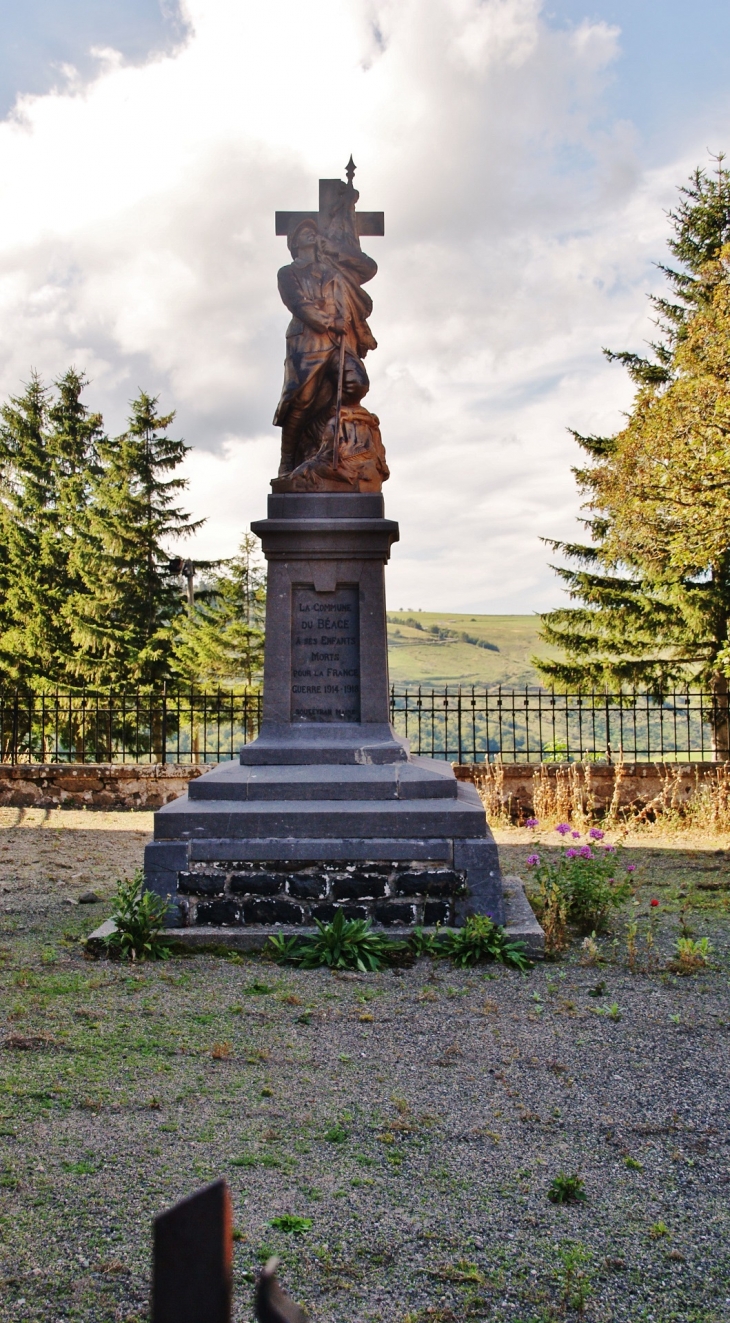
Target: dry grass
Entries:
(688, 801)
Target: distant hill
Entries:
(438, 648)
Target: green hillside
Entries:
(439, 648)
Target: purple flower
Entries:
(571, 854)
(596, 834)
(585, 852)
(575, 835)
(631, 868)
(563, 828)
(532, 822)
(533, 860)
(609, 849)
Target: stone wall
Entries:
(520, 790)
(514, 789)
(94, 785)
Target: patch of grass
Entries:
(335, 1135)
(574, 1282)
(84, 1167)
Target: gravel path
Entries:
(415, 1118)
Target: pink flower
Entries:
(533, 860)
(609, 849)
(631, 868)
(575, 835)
(596, 834)
(653, 902)
(585, 852)
(563, 828)
(571, 854)
(532, 822)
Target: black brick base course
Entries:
(287, 892)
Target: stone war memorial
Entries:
(327, 808)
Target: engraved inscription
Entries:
(325, 654)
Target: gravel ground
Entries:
(416, 1118)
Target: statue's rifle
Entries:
(348, 203)
(338, 411)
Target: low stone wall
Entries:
(95, 785)
(522, 790)
(517, 790)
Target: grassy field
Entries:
(439, 648)
(410, 1121)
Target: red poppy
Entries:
(653, 902)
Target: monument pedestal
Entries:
(326, 808)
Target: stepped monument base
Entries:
(327, 808)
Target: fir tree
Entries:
(49, 445)
(123, 618)
(654, 583)
(222, 639)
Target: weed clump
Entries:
(341, 944)
(567, 1189)
(691, 955)
(139, 918)
(291, 1223)
(481, 939)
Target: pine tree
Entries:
(123, 618)
(654, 583)
(222, 639)
(49, 445)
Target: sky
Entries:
(525, 155)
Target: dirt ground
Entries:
(413, 1119)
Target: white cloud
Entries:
(136, 240)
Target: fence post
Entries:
(163, 751)
(14, 758)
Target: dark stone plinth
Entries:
(331, 546)
(326, 810)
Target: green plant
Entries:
(633, 1164)
(341, 944)
(421, 943)
(481, 939)
(290, 1222)
(612, 1012)
(282, 950)
(658, 1230)
(566, 1189)
(582, 885)
(335, 1134)
(139, 918)
(691, 955)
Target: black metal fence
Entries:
(474, 724)
(459, 723)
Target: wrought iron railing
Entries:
(469, 724)
(459, 723)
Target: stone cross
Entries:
(368, 222)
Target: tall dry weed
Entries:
(689, 798)
(489, 781)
